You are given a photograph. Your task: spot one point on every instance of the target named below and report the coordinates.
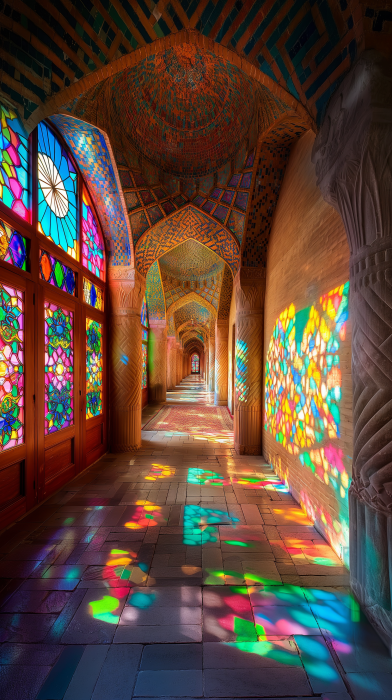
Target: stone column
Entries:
(179, 363)
(221, 362)
(126, 290)
(157, 361)
(211, 350)
(249, 289)
(353, 158)
(171, 363)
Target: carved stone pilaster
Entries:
(179, 363)
(211, 361)
(249, 290)
(353, 159)
(126, 290)
(171, 363)
(221, 362)
(157, 361)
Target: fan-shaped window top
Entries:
(93, 249)
(14, 160)
(57, 193)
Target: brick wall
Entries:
(308, 257)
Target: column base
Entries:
(248, 449)
(126, 427)
(371, 565)
(217, 402)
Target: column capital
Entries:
(249, 290)
(127, 288)
(352, 151)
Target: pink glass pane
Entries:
(93, 250)
(11, 367)
(59, 396)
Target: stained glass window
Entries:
(56, 273)
(144, 366)
(94, 365)
(11, 367)
(93, 250)
(144, 335)
(144, 314)
(59, 396)
(13, 246)
(195, 364)
(92, 294)
(14, 159)
(57, 193)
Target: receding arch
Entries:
(155, 294)
(186, 223)
(192, 296)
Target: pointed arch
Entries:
(192, 296)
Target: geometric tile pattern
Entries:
(306, 49)
(185, 224)
(91, 152)
(154, 294)
(225, 295)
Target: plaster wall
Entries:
(308, 257)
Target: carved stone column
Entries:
(211, 350)
(221, 362)
(126, 289)
(249, 289)
(157, 361)
(179, 363)
(171, 363)
(353, 159)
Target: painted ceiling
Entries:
(191, 261)
(305, 46)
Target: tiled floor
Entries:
(181, 571)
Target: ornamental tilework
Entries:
(190, 311)
(154, 294)
(236, 224)
(154, 214)
(225, 295)
(91, 151)
(131, 200)
(139, 224)
(185, 224)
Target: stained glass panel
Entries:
(13, 246)
(92, 294)
(56, 273)
(94, 367)
(144, 335)
(14, 160)
(144, 314)
(57, 193)
(195, 364)
(93, 250)
(59, 392)
(11, 367)
(144, 366)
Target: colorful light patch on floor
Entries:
(205, 477)
(159, 471)
(145, 514)
(201, 524)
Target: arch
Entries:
(192, 296)
(186, 326)
(89, 144)
(186, 223)
(131, 59)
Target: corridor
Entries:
(180, 571)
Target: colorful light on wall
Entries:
(13, 246)
(57, 193)
(144, 366)
(59, 396)
(93, 251)
(14, 160)
(241, 370)
(94, 368)
(303, 392)
(11, 367)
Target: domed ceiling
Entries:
(191, 261)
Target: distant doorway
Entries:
(195, 364)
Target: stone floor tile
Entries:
(83, 681)
(319, 665)
(251, 682)
(36, 602)
(117, 677)
(180, 615)
(280, 620)
(25, 628)
(21, 682)
(155, 634)
(89, 624)
(370, 685)
(30, 654)
(276, 595)
(168, 657)
(277, 654)
(177, 683)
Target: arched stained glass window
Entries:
(93, 249)
(57, 193)
(144, 320)
(14, 160)
(195, 364)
